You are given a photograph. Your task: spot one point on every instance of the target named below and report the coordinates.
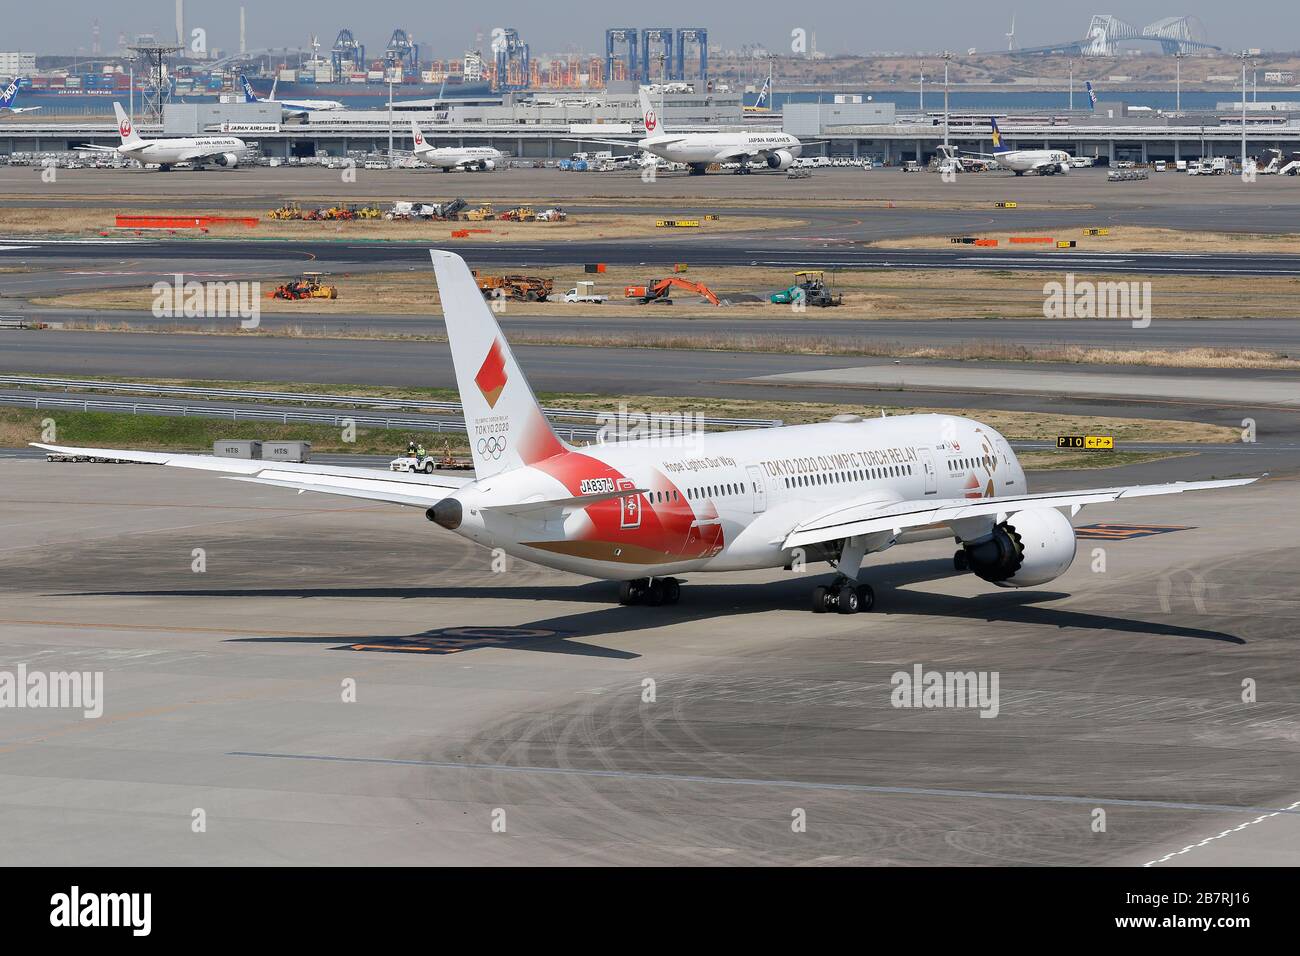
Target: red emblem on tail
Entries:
(650, 121)
(125, 128)
(491, 377)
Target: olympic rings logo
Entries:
(491, 447)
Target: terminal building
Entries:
(552, 126)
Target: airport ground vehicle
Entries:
(585, 291)
(658, 290)
(642, 511)
(307, 286)
(413, 463)
(809, 286)
(911, 166)
(520, 288)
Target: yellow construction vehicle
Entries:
(306, 286)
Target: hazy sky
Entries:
(445, 29)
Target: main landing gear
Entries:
(651, 591)
(844, 596)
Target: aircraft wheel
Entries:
(848, 600)
(654, 594)
(866, 597)
(672, 591)
(961, 560)
(819, 599)
(627, 592)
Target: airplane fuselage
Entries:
(695, 148)
(167, 152)
(457, 157)
(1034, 160)
(725, 501)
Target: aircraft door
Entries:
(928, 470)
(757, 488)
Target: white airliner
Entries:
(641, 511)
(1044, 162)
(9, 96)
(448, 158)
(294, 107)
(166, 153)
(700, 150)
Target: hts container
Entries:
(286, 450)
(230, 448)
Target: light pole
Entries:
(922, 107)
(390, 118)
(1071, 84)
(1178, 82)
(1244, 55)
(947, 55)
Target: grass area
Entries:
(1122, 239)
(886, 294)
(18, 221)
(1016, 425)
(115, 430)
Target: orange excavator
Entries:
(657, 290)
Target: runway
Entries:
(522, 698)
(792, 252)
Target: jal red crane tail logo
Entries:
(419, 139)
(651, 121)
(491, 377)
(124, 128)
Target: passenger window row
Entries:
(856, 474)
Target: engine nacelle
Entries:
(780, 159)
(487, 164)
(1028, 549)
(228, 159)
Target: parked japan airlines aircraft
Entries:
(295, 107)
(448, 158)
(641, 511)
(10, 95)
(1044, 162)
(699, 150)
(166, 153)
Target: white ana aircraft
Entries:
(699, 150)
(166, 153)
(292, 107)
(641, 511)
(448, 158)
(9, 96)
(1044, 162)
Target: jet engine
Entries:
(228, 159)
(1029, 548)
(780, 159)
(487, 164)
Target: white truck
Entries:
(427, 464)
(585, 292)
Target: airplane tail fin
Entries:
(505, 424)
(764, 94)
(648, 112)
(274, 84)
(997, 138)
(125, 128)
(1092, 94)
(249, 95)
(10, 94)
(418, 144)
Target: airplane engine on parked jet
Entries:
(781, 159)
(228, 159)
(487, 164)
(1029, 548)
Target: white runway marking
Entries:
(1220, 836)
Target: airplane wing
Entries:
(869, 517)
(102, 149)
(374, 484)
